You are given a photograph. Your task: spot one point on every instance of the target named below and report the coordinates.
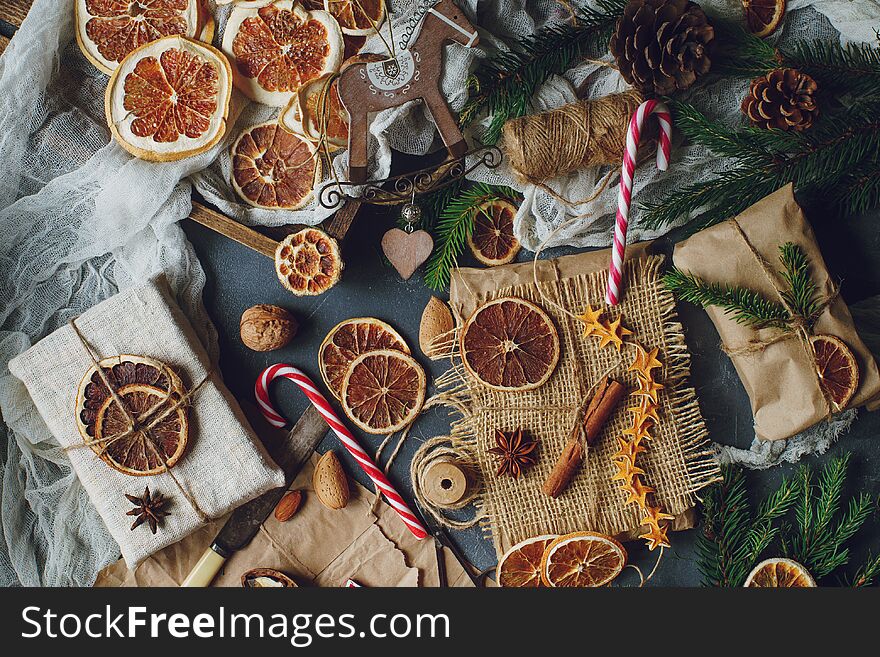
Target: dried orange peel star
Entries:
(591, 319)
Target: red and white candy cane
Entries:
(624, 196)
(305, 384)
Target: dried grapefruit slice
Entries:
(316, 111)
(780, 573)
(108, 30)
(383, 391)
(510, 344)
(357, 17)
(278, 47)
(169, 99)
(143, 384)
(582, 559)
(837, 368)
(348, 340)
(308, 263)
(273, 168)
(763, 16)
(520, 567)
(492, 241)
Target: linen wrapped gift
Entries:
(222, 466)
(777, 366)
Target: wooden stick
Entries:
(234, 230)
(608, 395)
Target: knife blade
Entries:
(290, 454)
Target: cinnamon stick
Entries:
(608, 395)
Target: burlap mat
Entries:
(679, 461)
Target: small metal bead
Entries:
(411, 213)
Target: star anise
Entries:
(148, 508)
(514, 452)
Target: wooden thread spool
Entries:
(446, 483)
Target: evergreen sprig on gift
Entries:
(504, 83)
(734, 539)
(454, 226)
(749, 307)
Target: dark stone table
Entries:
(239, 278)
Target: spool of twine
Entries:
(582, 134)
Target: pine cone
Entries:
(785, 98)
(662, 45)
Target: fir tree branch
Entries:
(817, 163)
(503, 84)
(817, 543)
(745, 306)
(801, 293)
(454, 226)
(867, 573)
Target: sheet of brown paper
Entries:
(780, 380)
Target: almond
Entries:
(288, 506)
(330, 482)
(436, 323)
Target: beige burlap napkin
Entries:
(224, 464)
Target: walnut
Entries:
(264, 327)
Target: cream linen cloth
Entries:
(224, 464)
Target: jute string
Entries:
(799, 327)
(143, 424)
(577, 135)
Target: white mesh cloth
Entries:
(74, 231)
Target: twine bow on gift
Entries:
(145, 422)
(795, 326)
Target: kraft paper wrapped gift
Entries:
(224, 464)
(779, 376)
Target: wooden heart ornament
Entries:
(407, 251)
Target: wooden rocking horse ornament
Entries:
(413, 74)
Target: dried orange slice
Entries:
(308, 263)
(383, 391)
(107, 31)
(763, 16)
(357, 17)
(492, 241)
(582, 559)
(780, 573)
(837, 368)
(143, 384)
(316, 112)
(510, 344)
(348, 340)
(169, 99)
(520, 567)
(273, 168)
(278, 47)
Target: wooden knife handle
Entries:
(204, 572)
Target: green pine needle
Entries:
(454, 226)
(504, 83)
(744, 306)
